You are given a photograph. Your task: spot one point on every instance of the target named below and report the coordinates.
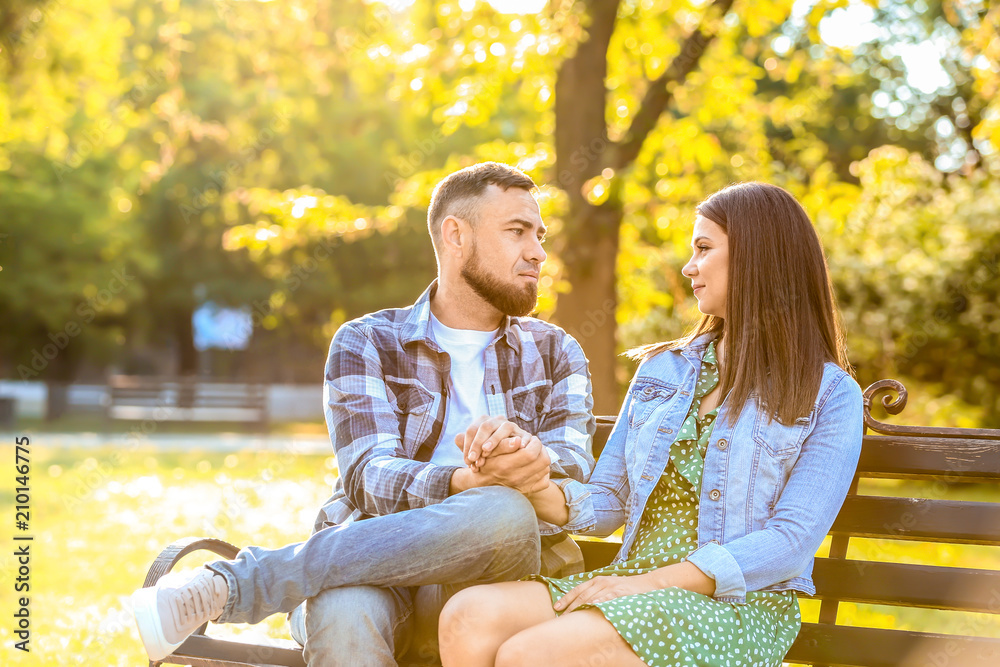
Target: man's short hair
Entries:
(461, 192)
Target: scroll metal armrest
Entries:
(177, 550)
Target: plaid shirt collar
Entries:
(417, 324)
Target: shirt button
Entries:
(715, 494)
(722, 443)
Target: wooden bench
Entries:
(186, 399)
(946, 455)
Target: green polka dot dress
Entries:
(675, 626)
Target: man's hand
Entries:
(526, 469)
(485, 435)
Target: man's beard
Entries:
(505, 297)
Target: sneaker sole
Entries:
(147, 619)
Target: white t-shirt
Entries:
(466, 389)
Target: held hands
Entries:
(500, 453)
(488, 436)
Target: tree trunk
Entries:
(588, 245)
(187, 355)
(588, 311)
(58, 377)
(56, 399)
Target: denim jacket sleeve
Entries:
(568, 426)
(805, 510)
(600, 507)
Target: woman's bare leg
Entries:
(582, 638)
(477, 620)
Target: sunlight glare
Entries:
(518, 6)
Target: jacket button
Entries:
(715, 494)
(722, 443)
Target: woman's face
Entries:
(708, 267)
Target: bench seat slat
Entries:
(597, 554)
(916, 457)
(846, 646)
(958, 522)
(906, 585)
(234, 653)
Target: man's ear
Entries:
(456, 236)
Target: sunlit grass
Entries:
(101, 516)
(78, 422)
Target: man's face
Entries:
(507, 252)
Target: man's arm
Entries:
(378, 478)
(566, 429)
(523, 466)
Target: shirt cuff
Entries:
(715, 561)
(582, 518)
(439, 483)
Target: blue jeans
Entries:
(422, 556)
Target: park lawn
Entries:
(92, 422)
(101, 516)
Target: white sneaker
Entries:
(167, 613)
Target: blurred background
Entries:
(207, 189)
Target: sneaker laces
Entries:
(199, 601)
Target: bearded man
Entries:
(445, 416)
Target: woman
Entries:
(731, 457)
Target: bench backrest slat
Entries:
(953, 521)
(914, 457)
(906, 585)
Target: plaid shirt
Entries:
(385, 395)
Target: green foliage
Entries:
(281, 156)
(918, 261)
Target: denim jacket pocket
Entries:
(780, 440)
(647, 395)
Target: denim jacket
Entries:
(769, 492)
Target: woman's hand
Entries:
(602, 589)
(684, 575)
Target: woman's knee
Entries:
(468, 613)
(522, 650)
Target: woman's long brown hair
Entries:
(781, 321)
